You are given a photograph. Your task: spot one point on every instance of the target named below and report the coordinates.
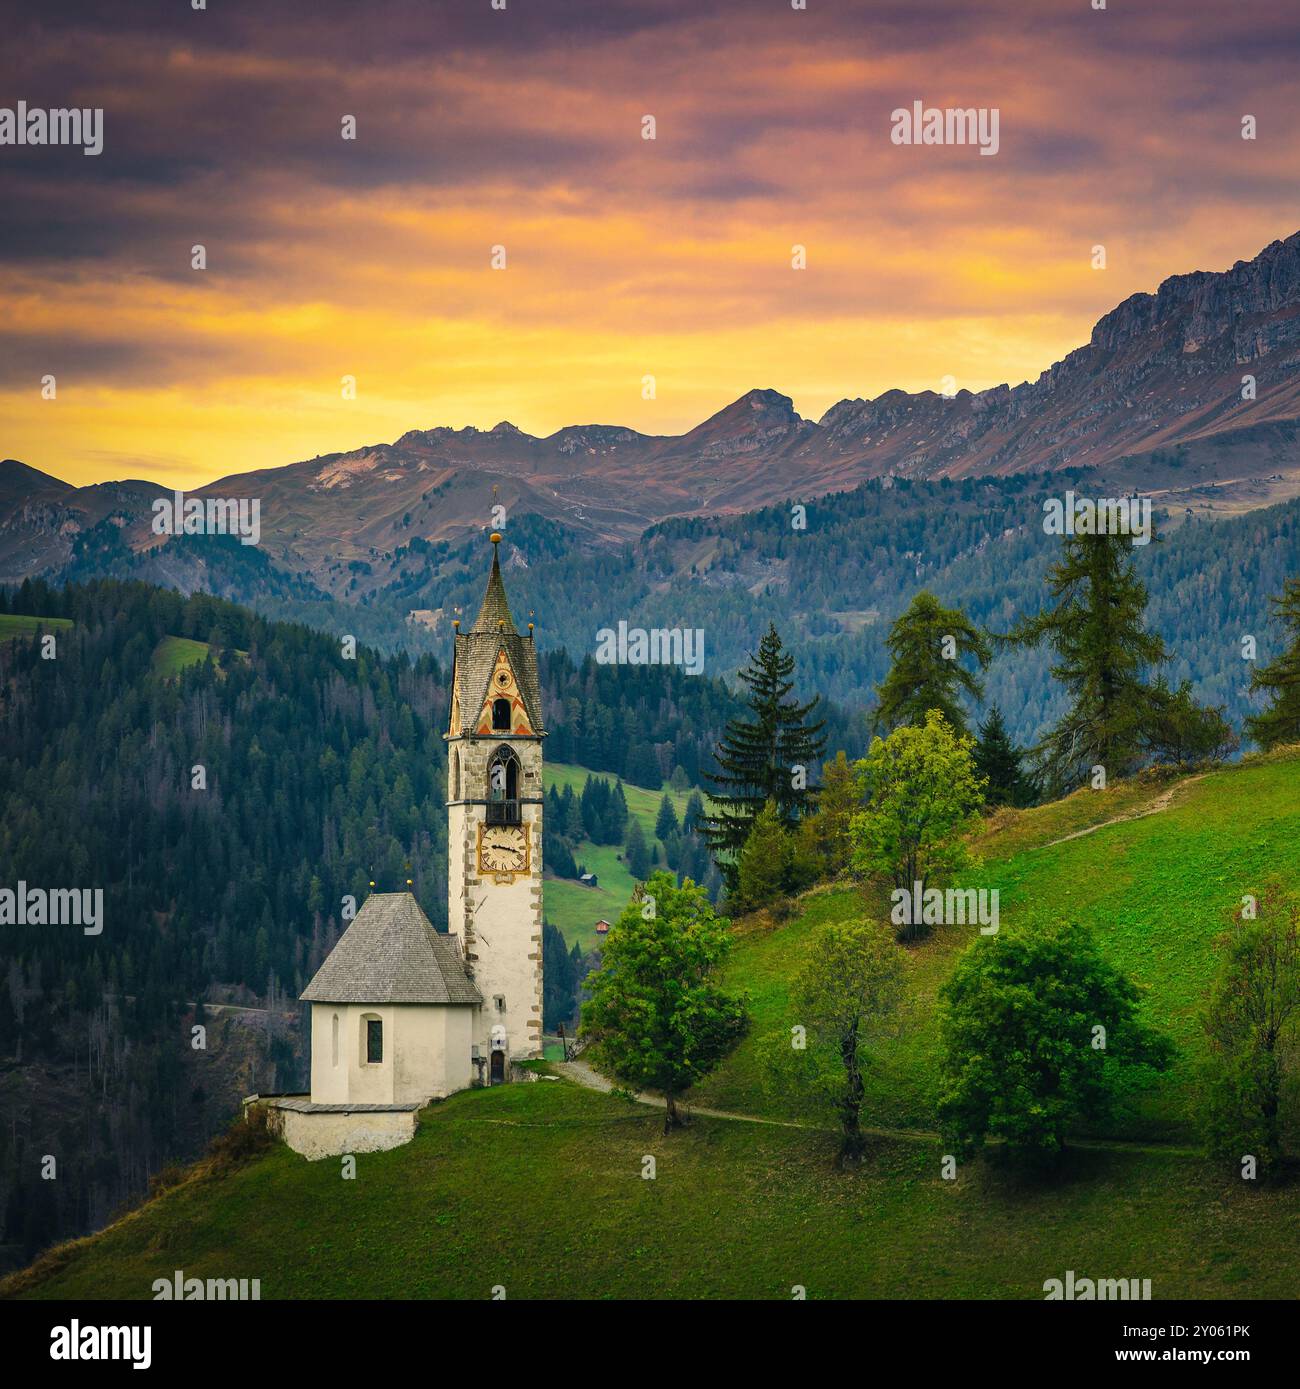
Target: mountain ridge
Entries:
(1163, 376)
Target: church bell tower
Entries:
(494, 827)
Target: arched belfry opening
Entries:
(503, 787)
(501, 716)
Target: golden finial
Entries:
(495, 537)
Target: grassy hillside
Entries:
(173, 654)
(1157, 891)
(735, 1210)
(16, 625)
(743, 1209)
(170, 657)
(576, 909)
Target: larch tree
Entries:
(1095, 627)
(927, 645)
(1280, 679)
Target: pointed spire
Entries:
(494, 615)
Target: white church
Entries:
(401, 1014)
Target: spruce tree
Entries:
(637, 856)
(574, 827)
(922, 676)
(999, 760)
(617, 814)
(1280, 723)
(666, 822)
(758, 756)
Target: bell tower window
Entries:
(503, 788)
(501, 716)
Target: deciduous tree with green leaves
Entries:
(1036, 1026)
(656, 1008)
(928, 644)
(1252, 1024)
(847, 993)
(922, 795)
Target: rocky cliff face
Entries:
(1159, 369)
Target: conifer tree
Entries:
(666, 822)
(999, 760)
(758, 756)
(927, 645)
(1095, 627)
(637, 856)
(617, 816)
(838, 800)
(1280, 723)
(574, 827)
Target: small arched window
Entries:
(334, 1041)
(501, 716)
(455, 774)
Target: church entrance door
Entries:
(498, 1067)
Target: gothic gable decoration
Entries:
(504, 710)
(491, 646)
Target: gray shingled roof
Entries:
(476, 656)
(494, 615)
(391, 954)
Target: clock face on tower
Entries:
(503, 850)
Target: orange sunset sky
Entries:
(625, 257)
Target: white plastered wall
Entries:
(426, 1052)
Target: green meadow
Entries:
(1157, 891)
(538, 1188)
(570, 906)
